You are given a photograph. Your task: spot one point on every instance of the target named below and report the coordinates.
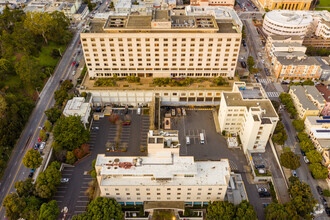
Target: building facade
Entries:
(79, 106)
(229, 3)
(286, 5)
(163, 45)
(325, 92)
(163, 175)
(303, 103)
(318, 128)
(246, 113)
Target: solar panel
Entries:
(326, 117)
(323, 121)
(323, 131)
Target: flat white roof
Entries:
(299, 18)
(321, 133)
(162, 165)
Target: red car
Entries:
(73, 63)
(127, 123)
(39, 139)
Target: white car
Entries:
(73, 73)
(64, 180)
(42, 145)
(139, 111)
(306, 160)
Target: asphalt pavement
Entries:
(16, 171)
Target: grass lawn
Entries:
(45, 58)
(324, 3)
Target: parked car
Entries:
(259, 166)
(294, 173)
(77, 64)
(302, 152)
(306, 160)
(261, 189)
(73, 63)
(36, 146)
(139, 111)
(126, 122)
(98, 109)
(297, 139)
(261, 171)
(42, 146)
(30, 175)
(319, 190)
(64, 180)
(173, 112)
(126, 111)
(243, 42)
(243, 64)
(327, 210)
(264, 194)
(73, 72)
(324, 202)
(184, 112)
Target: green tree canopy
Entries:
(318, 171)
(48, 126)
(301, 197)
(32, 159)
(49, 211)
(70, 133)
(28, 70)
(245, 211)
(220, 210)
(60, 96)
(32, 208)
(24, 188)
(298, 124)
(53, 114)
(14, 206)
(302, 136)
(42, 134)
(250, 61)
(276, 211)
(306, 146)
(314, 157)
(47, 181)
(290, 160)
(102, 208)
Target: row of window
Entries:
(161, 64)
(151, 74)
(159, 194)
(147, 45)
(159, 189)
(159, 198)
(177, 39)
(159, 69)
(160, 54)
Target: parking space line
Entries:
(58, 196)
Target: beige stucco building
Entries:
(229, 3)
(286, 5)
(163, 175)
(186, 43)
(247, 112)
(307, 100)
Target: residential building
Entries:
(197, 42)
(247, 112)
(81, 13)
(288, 44)
(162, 176)
(307, 100)
(325, 92)
(295, 65)
(282, 22)
(286, 5)
(318, 128)
(229, 3)
(326, 158)
(79, 106)
(325, 66)
(236, 192)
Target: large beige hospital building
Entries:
(192, 42)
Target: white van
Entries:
(187, 140)
(201, 135)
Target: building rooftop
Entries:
(289, 17)
(298, 62)
(321, 133)
(324, 91)
(288, 44)
(81, 9)
(299, 91)
(288, 38)
(76, 106)
(235, 99)
(288, 54)
(312, 91)
(162, 168)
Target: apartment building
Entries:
(318, 128)
(229, 3)
(197, 42)
(163, 175)
(325, 92)
(306, 100)
(247, 112)
(79, 106)
(288, 44)
(285, 5)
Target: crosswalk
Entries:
(273, 94)
(265, 81)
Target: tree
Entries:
(102, 208)
(306, 146)
(308, 83)
(66, 85)
(24, 188)
(276, 211)
(318, 171)
(302, 136)
(39, 24)
(3, 106)
(42, 134)
(250, 61)
(83, 94)
(28, 70)
(53, 114)
(48, 126)
(14, 206)
(70, 133)
(49, 211)
(32, 159)
(280, 138)
(245, 211)
(47, 181)
(78, 153)
(220, 210)
(314, 157)
(70, 158)
(298, 124)
(32, 207)
(290, 160)
(60, 96)
(301, 197)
